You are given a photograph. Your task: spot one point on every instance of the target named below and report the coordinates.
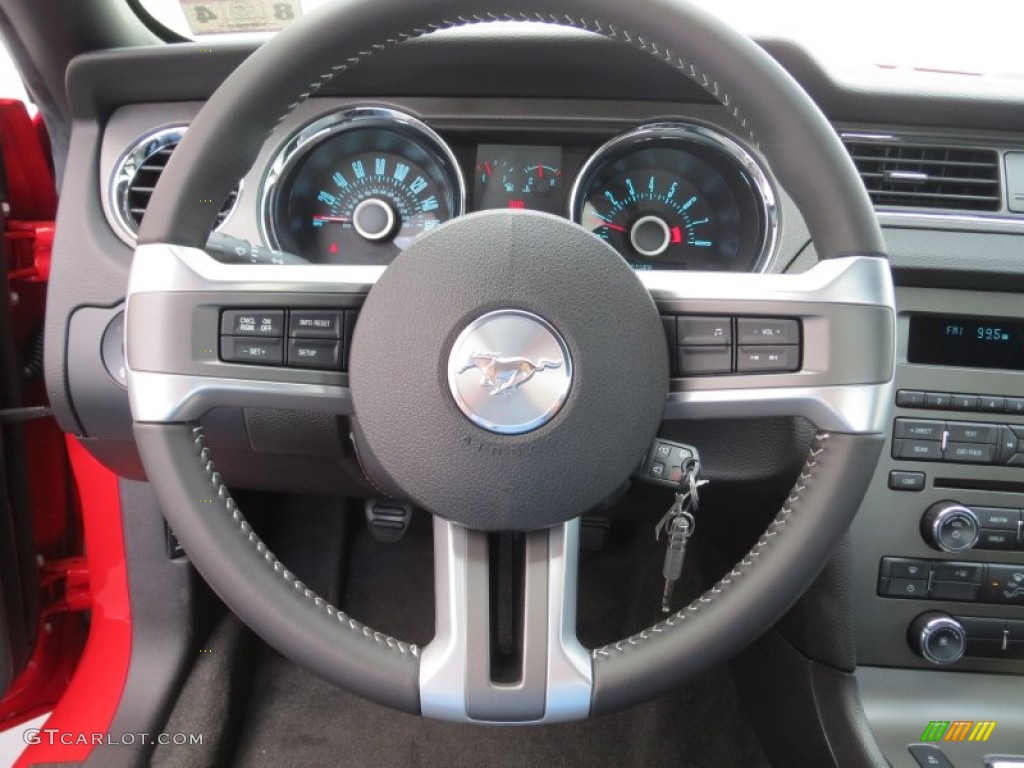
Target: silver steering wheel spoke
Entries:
(178, 375)
(555, 677)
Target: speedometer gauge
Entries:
(676, 196)
(360, 186)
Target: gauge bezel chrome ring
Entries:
(127, 167)
(690, 132)
(310, 136)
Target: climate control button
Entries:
(938, 638)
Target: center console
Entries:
(939, 540)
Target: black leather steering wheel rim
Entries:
(798, 143)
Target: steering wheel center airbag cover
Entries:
(601, 371)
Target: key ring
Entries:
(690, 471)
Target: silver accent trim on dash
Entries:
(693, 132)
(163, 268)
(855, 409)
(168, 397)
(321, 129)
(444, 673)
(849, 280)
(913, 218)
(128, 165)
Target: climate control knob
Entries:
(950, 527)
(937, 638)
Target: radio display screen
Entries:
(966, 342)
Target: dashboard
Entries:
(628, 152)
(358, 185)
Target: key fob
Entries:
(663, 463)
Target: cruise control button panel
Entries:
(315, 339)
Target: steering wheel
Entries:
(536, 457)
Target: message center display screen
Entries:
(966, 342)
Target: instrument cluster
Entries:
(359, 186)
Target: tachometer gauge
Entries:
(360, 186)
(674, 196)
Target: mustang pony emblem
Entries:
(504, 375)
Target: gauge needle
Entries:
(338, 219)
(608, 224)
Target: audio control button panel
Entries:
(958, 442)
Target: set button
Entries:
(242, 349)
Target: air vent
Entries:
(902, 175)
(136, 175)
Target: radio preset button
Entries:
(964, 402)
(907, 398)
(992, 404)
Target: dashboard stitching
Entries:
(231, 507)
(745, 565)
(660, 52)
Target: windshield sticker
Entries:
(215, 17)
